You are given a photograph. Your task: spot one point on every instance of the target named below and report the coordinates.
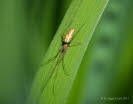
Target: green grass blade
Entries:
(84, 13)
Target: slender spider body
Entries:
(68, 37)
(67, 40)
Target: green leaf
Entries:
(83, 16)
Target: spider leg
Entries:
(63, 65)
(65, 30)
(77, 31)
(57, 65)
(51, 59)
(77, 43)
(72, 15)
(42, 89)
(54, 83)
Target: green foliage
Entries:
(27, 28)
(106, 70)
(83, 16)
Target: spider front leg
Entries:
(77, 32)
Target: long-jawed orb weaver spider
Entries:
(66, 40)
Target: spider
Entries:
(66, 40)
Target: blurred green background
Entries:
(105, 75)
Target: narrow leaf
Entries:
(83, 16)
